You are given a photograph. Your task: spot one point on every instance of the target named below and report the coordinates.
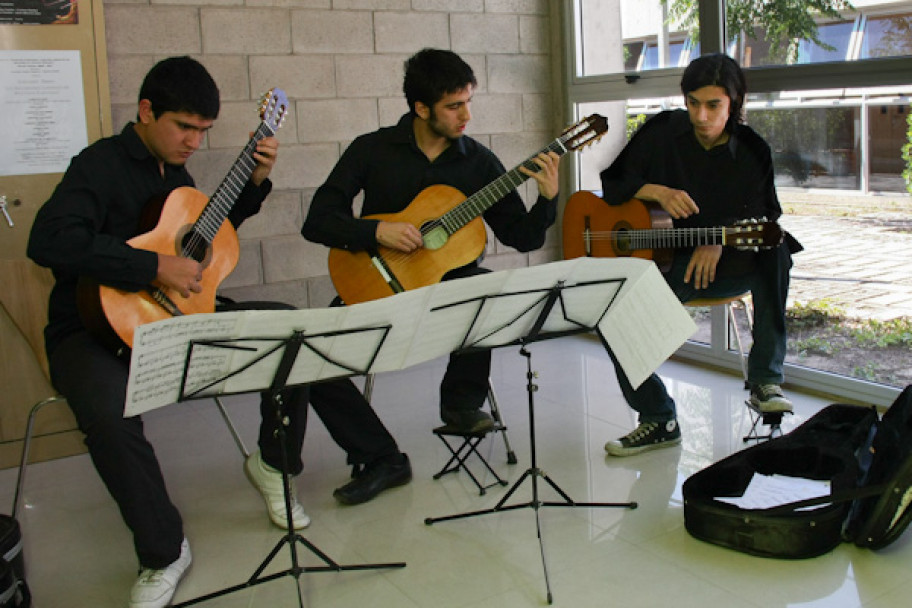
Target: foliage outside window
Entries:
(784, 23)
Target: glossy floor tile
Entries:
(79, 554)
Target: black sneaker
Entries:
(647, 436)
(768, 399)
(467, 421)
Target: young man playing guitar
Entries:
(705, 168)
(393, 165)
(82, 231)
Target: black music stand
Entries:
(287, 349)
(536, 317)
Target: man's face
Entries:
(173, 137)
(709, 108)
(450, 115)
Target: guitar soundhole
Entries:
(192, 245)
(623, 245)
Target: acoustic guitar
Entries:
(642, 229)
(189, 225)
(451, 227)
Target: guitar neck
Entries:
(481, 201)
(227, 193)
(673, 238)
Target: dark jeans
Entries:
(768, 286)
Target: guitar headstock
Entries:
(754, 234)
(273, 108)
(585, 132)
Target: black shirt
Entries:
(391, 170)
(83, 228)
(729, 182)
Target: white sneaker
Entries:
(269, 483)
(155, 588)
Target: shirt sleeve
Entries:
(67, 233)
(330, 219)
(249, 202)
(512, 224)
(628, 173)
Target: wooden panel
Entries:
(24, 287)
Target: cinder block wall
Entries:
(340, 63)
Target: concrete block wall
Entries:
(340, 63)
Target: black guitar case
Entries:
(866, 460)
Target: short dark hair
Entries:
(718, 70)
(181, 84)
(432, 73)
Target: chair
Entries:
(741, 302)
(27, 313)
(469, 442)
(744, 303)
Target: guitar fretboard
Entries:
(481, 201)
(669, 238)
(227, 193)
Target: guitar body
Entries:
(357, 279)
(113, 314)
(587, 213)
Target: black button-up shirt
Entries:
(391, 170)
(98, 205)
(730, 182)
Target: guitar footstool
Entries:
(463, 450)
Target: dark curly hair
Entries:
(432, 73)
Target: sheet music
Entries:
(646, 324)
(626, 299)
(159, 355)
(767, 491)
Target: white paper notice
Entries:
(42, 111)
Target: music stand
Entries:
(536, 313)
(288, 350)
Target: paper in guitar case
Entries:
(866, 460)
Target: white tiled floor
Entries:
(79, 553)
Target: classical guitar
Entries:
(189, 225)
(593, 228)
(451, 226)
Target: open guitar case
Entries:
(867, 460)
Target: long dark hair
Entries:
(718, 70)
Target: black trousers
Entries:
(94, 381)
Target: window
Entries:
(835, 122)
(887, 36)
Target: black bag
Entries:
(867, 462)
(14, 592)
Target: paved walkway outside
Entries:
(863, 263)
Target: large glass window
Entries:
(887, 36)
(836, 132)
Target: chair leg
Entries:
(495, 413)
(733, 324)
(231, 428)
(26, 446)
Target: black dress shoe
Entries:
(467, 421)
(375, 478)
